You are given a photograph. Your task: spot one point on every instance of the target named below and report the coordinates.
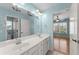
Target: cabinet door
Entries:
(63, 45)
(56, 43)
(31, 51)
(45, 46)
(35, 50)
(25, 53)
(41, 48)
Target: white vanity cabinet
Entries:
(39, 49)
(36, 50)
(32, 46)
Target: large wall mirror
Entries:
(17, 27)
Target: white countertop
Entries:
(12, 49)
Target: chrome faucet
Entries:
(18, 41)
(39, 35)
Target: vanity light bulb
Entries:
(22, 3)
(40, 13)
(14, 4)
(37, 10)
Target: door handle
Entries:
(76, 41)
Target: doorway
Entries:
(61, 33)
(13, 29)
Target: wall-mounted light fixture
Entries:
(38, 12)
(15, 7)
(29, 13)
(57, 19)
(22, 3)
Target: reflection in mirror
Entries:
(12, 28)
(25, 27)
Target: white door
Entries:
(25, 27)
(73, 47)
(73, 29)
(73, 37)
(78, 29)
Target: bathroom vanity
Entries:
(30, 45)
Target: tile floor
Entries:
(61, 44)
(57, 53)
(54, 53)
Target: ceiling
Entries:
(44, 6)
(40, 6)
(9, 6)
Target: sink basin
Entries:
(22, 45)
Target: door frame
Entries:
(59, 12)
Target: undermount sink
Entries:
(22, 45)
(39, 35)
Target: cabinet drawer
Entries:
(35, 50)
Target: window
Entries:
(60, 27)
